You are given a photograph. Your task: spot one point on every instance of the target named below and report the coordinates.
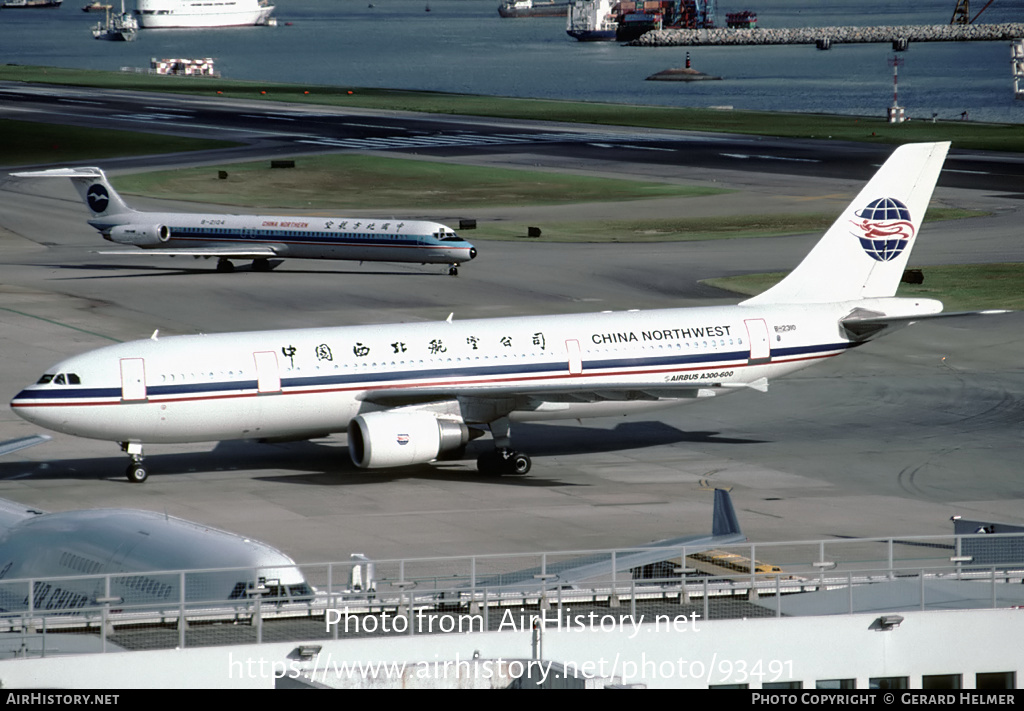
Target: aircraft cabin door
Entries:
(572, 349)
(268, 375)
(760, 343)
(133, 379)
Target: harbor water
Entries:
(463, 46)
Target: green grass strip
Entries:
(967, 287)
(964, 134)
(336, 182)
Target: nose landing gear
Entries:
(136, 471)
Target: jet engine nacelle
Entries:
(395, 439)
(140, 235)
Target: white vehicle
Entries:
(407, 393)
(67, 554)
(263, 239)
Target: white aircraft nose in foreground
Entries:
(406, 393)
(257, 237)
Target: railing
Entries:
(166, 609)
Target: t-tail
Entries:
(864, 253)
(92, 185)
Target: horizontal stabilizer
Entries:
(61, 173)
(861, 328)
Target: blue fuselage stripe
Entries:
(604, 368)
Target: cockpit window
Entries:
(450, 237)
(60, 379)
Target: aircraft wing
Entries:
(13, 445)
(550, 396)
(253, 252)
(13, 513)
(725, 529)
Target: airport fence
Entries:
(359, 598)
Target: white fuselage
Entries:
(67, 554)
(309, 382)
(355, 239)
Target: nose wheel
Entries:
(453, 270)
(136, 471)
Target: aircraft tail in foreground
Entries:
(864, 253)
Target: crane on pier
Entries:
(962, 12)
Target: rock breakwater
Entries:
(836, 35)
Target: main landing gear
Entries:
(261, 264)
(136, 471)
(503, 459)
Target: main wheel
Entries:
(225, 265)
(136, 473)
(519, 464)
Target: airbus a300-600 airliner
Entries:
(406, 393)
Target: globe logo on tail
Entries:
(884, 229)
(97, 198)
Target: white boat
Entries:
(17, 4)
(163, 14)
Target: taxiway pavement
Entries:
(890, 439)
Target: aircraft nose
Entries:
(23, 406)
(472, 252)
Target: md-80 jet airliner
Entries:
(407, 393)
(263, 239)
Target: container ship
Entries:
(624, 21)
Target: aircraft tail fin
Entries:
(864, 253)
(724, 521)
(91, 183)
